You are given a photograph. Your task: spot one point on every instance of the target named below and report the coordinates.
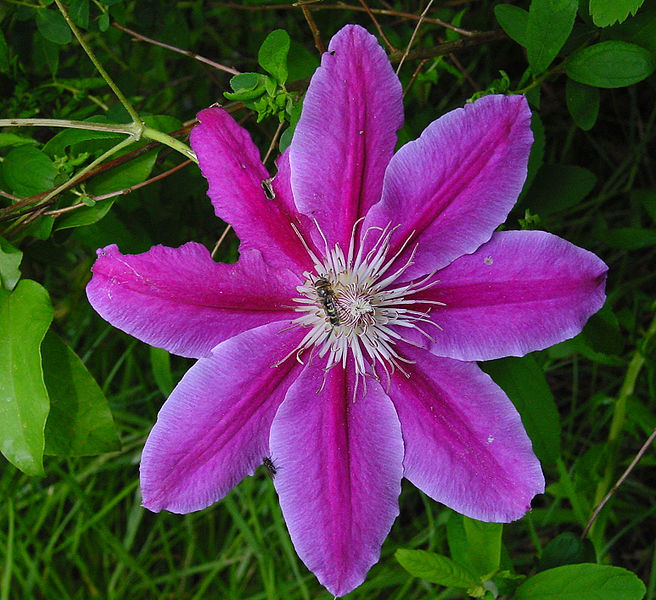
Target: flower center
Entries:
(353, 304)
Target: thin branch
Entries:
(198, 57)
(619, 482)
(414, 34)
(420, 66)
(272, 145)
(378, 27)
(344, 6)
(441, 49)
(96, 63)
(313, 28)
(223, 237)
(123, 192)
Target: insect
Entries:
(267, 186)
(327, 297)
(269, 466)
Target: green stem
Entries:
(158, 136)
(76, 32)
(618, 422)
(67, 184)
(126, 128)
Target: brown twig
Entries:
(344, 6)
(481, 38)
(420, 66)
(313, 28)
(378, 27)
(189, 53)
(414, 34)
(619, 482)
(123, 192)
(223, 236)
(272, 145)
(32, 202)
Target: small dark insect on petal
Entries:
(269, 466)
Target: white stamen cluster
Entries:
(365, 311)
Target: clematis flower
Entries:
(342, 343)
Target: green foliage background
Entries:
(589, 404)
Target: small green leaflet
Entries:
(607, 12)
(10, 260)
(28, 171)
(272, 55)
(435, 568)
(549, 24)
(25, 316)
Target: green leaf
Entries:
(84, 216)
(648, 200)
(10, 259)
(28, 171)
(564, 549)
(301, 63)
(4, 54)
(57, 145)
(11, 139)
(103, 22)
(584, 581)
(514, 21)
(246, 86)
(557, 187)
(629, 238)
(78, 11)
(46, 54)
(160, 362)
(583, 103)
(25, 316)
(483, 545)
(524, 382)
(125, 176)
(52, 26)
(610, 64)
(80, 422)
(549, 25)
(272, 55)
(435, 568)
(607, 12)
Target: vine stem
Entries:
(618, 421)
(67, 184)
(96, 63)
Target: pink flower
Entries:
(342, 342)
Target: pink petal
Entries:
(231, 164)
(346, 134)
(214, 428)
(455, 184)
(465, 445)
(520, 292)
(181, 300)
(339, 469)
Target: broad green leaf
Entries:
(557, 187)
(549, 25)
(607, 12)
(435, 568)
(639, 30)
(78, 11)
(584, 581)
(457, 540)
(246, 86)
(4, 54)
(86, 215)
(57, 145)
(10, 259)
(583, 103)
(301, 63)
(648, 200)
(125, 176)
(564, 549)
(28, 171)
(45, 54)
(513, 20)
(80, 422)
(11, 139)
(160, 362)
(602, 332)
(524, 382)
(52, 26)
(103, 22)
(629, 238)
(25, 316)
(611, 64)
(483, 545)
(272, 55)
